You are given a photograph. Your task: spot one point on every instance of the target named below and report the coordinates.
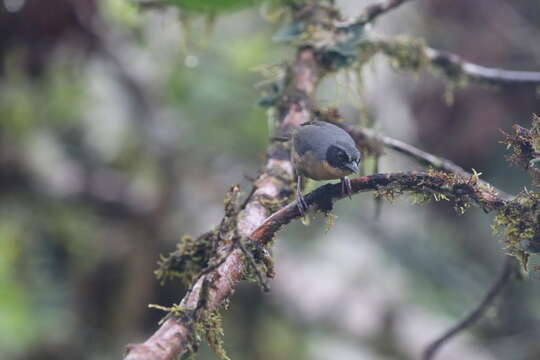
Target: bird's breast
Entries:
(308, 165)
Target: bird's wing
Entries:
(312, 136)
(301, 141)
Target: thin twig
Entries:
(372, 12)
(452, 64)
(211, 267)
(253, 263)
(361, 135)
(476, 313)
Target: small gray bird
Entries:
(323, 151)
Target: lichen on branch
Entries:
(525, 146)
(520, 219)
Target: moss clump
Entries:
(405, 54)
(421, 198)
(210, 327)
(272, 204)
(525, 146)
(461, 191)
(258, 264)
(175, 310)
(189, 258)
(520, 218)
(193, 255)
(520, 222)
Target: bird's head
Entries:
(343, 156)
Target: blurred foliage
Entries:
(53, 101)
(216, 6)
(213, 5)
(123, 13)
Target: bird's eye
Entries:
(343, 157)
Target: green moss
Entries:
(408, 54)
(262, 259)
(193, 255)
(210, 327)
(272, 204)
(525, 145)
(190, 257)
(330, 221)
(519, 221)
(405, 54)
(175, 310)
(421, 198)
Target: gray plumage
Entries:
(323, 151)
(318, 136)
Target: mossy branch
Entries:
(367, 138)
(525, 146)
(415, 55)
(373, 11)
(463, 192)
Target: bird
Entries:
(323, 151)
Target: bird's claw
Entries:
(301, 204)
(346, 188)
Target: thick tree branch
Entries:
(175, 336)
(475, 315)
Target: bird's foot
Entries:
(346, 188)
(301, 204)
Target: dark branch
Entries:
(412, 54)
(452, 64)
(251, 260)
(476, 313)
(366, 136)
(374, 11)
(453, 187)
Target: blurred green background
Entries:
(122, 127)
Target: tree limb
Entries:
(411, 54)
(452, 64)
(363, 136)
(372, 12)
(454, 188)
(175, 336)
(476, 313)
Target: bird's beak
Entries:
(353, 167)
